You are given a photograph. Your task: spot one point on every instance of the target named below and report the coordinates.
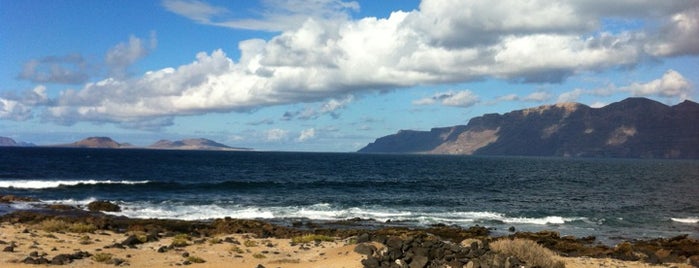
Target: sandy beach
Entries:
(237, 250)
(231, 250)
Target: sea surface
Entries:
(612, 199)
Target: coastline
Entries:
(92, 238)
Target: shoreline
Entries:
(221, 242)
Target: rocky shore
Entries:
(81, 237)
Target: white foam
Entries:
(45, 184)
(175, 210)
(184, 212)
(686, 220)
(72, 202)
(541, 221)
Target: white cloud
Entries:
(276, 134)
(570, 96)
(539, 96)
(14, 110)
(19, 107)
(323, 57)
(508, 97)
(68, 69)
(679, 36)
(330, 107)
(464, 98)
(123, 55)
(277, 15)
(198, 11)
(671, 85)
(598, 104)
(307, 134)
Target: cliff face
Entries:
(634, 128)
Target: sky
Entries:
(325, 75)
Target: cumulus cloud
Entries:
(323, 57)
(14, 110)
(277, 15)
(67, 69)
(464, 98)
(306, 134)
(331, 107)
(276, 134)
(570, 96)
(120, 57)
(671, 85)
(539, 96)
(679, 36)
(19, 107)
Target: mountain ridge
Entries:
(193, 144)
(109, 143)
(633, 128)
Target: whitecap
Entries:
(46, 184)
(686, 220)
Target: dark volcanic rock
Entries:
(634, 128)
(63, 259)
(103, 206)
(365, 249)
(12, 198)
(131, 241)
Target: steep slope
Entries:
(8, 142)
(635, 127)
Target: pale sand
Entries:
(336, 254)
(276, 252)
(582, 262)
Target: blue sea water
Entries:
(612, 199)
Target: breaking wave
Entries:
(47, 184)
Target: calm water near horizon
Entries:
(610, 198)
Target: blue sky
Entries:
(325, 75)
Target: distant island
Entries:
(109, 143)
(9, 142)
(632, 128)
(194, 144)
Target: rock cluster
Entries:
(8, 199)
(103, 206)
(60, 259)
(679, 249)
(424, 250)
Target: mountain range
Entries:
(632, 128)
(108, 143)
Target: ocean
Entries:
(612, 199)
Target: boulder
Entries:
(61, 259)
(365, 249)
(103, 206)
